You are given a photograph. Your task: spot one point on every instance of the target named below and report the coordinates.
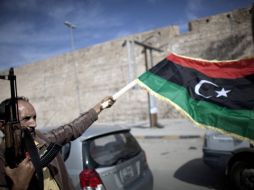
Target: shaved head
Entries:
(27, 114)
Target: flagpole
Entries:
(120, 93)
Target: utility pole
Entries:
(152, 109)
(72, 27)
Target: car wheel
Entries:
(242, 175)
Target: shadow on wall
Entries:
(232, 47)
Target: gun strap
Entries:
(35, 158)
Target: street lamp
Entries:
(71, 27)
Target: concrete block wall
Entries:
(221, 37)
(63, 86)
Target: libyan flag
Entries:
(217, 95)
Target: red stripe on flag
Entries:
(217, 69)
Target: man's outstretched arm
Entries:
(74, 129)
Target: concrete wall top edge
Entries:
(235, 16)
(137, 36)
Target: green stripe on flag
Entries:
(239, 122)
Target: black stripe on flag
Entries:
(231, 93)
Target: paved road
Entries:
(177, 164)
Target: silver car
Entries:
(232, 156)
(107, 158)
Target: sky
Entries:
(33, 30)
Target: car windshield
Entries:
(114, 148)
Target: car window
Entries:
(111, 149)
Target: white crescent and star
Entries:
(220, 93)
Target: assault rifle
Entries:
(18, 140)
